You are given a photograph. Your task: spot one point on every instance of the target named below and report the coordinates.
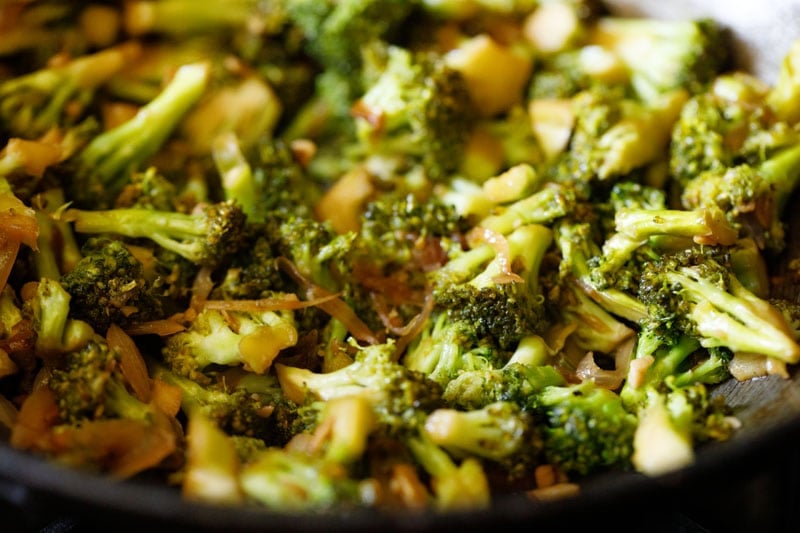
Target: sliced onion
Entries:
(162, 328)
(286, 302)
(501, 249)
(131, 362)
(588, 370)
(201, 288)
(335, 307)
(415, 325)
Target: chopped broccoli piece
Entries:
(208, 236)
(103, 167)
(586, 428)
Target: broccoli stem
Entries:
(495, 432)
(576, 245)
(130, 144)
(738, 319)
(181, 17)
(60, 85)
(782, 172)
(543, 206)
(705, 225)
(456, 486)
(238, 182)
(527, 246)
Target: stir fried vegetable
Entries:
(318, 254)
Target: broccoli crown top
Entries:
(335, 31)
(586, 428)
(420, 103)
(502, 314)
(81, 383)
(515, 382)
(108, 286)
(668, 306)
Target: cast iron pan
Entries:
(751, 482)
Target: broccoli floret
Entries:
(672, 423)
(207, 236)
(725, 126)
(447, 347)
(397, 393)
(752, 197)
(585, 428)
(614, 134)
(293, 481)
(58, 96)
(634, 227)
(551, 202)
(108, 286)
(253, 272)
(502, 304)
(455, 486)
(496, 431)
(99, 171)
(514, 382)
(89, 384)
(335, 32)
(663, 55)
(701, 290)
(250, 405)
(420, 104)
(578, 246)
(222, 337)
(49, 311)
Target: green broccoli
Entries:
(673, 423)
(663, 55)
(335, 32)
(753, 198)
(250, 405)
(496, 431)
(501, 298)
(727, 125)
(455, 486)
(293, 481)
(614, 135)
(108, 286)
(49, 311)
(514, 382)
(721, 312)
(585, 428)
(33, 103)
(222, 337)
(419, 104)
(397, 394)
(89, 384)
(207, 236)
(101, 169)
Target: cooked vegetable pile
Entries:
(319, 254)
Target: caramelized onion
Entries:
(162, 328)
(335, 307)
(286, 302)
(608, 379)
(131, 362)
(203, 284)
(501, 250)
(415, 325)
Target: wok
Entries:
(751, 482)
